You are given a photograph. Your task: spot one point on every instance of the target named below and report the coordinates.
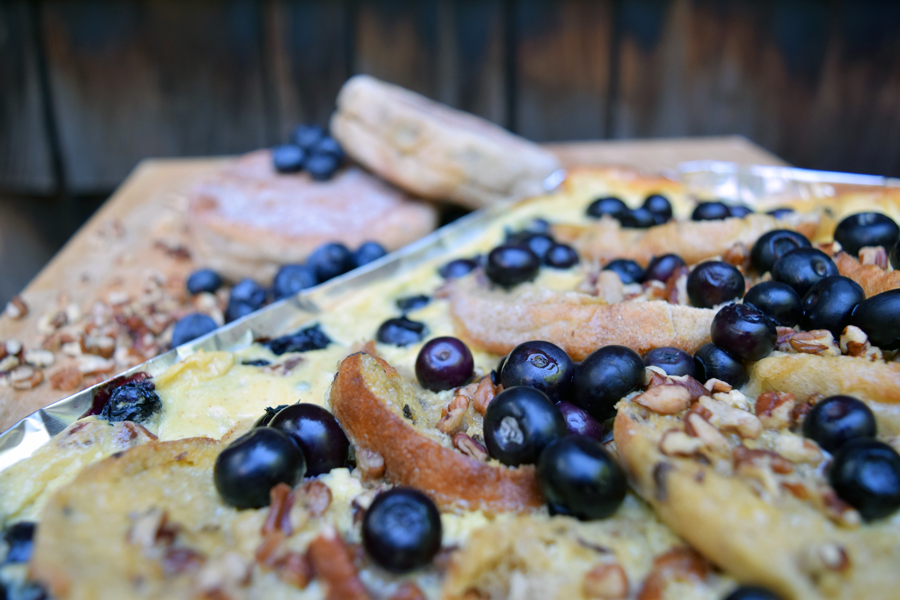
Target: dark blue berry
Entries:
(136, 401)
(836, 420)
(249, 467)
(778, 301)
(401, 530)
(368, 252)
(457, 268)
(711, 362)
(866, 229)
(879, 318)
(561, 256)
(606, 206)
(321, 167)
(288, 158)
(865, 473)
(401, 332)
(204, 280)
(510, 265)
(711, 211)
(307, 136)
(291, 279)
(190, 327)
(330, 260)
(578, 477)
(411, 303)
(637, 218)
(328, 145)
(627, 270)
(304, 340)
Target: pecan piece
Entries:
(665, 399)
(817, 341)
(296, 570)
(717, 386)
(16, 308)
(678, 443)
(837, 510)
(825, 557)
(679, 564)
(873, 255)
(279, 516)
(331, 562)
(484, 393)
(38, 358)
(698, 427)
(454, 416)
(728, 418)
(370, 464)
(742, 455)
(181, 560)
(8, 364)
(26, 377)
(854, 342)
(774, 409)
(66, 379)
(470, 447)
(316, 497)
(606, 581)
(783, 342)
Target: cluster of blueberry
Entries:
(519, 258)
(309, 149)
(657, 210)
(326, 262)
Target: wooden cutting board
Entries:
(139, 235)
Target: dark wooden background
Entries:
(90, 87)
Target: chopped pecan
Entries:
(817, 341)
(678, 564)
(315, 496)
(370, 464)
(222, 574)
(728, 418)
(279, 516)
(271, 551)
(89, 364)
(38, 358)
(717, 386)
(66, 379)
(774, 409)
(825, 557)
(737, 256)
(8, 364)
(800, 411)
(797, 449)
(837, 510)
(13, 347)
(665, 399)
(676, 286)
(873, 255)
(606, 581)
(453, 417)
(693, 386)
(100, 345)
(470, 447)
(25, 377)
(334, 568)
(854, 342)
(181, 560)
(698, 427)
(152, 528)
(484, 393)
(742, 455)
(408, 591)
(784, 338)
(16, 308)
(675, 442)
(296, 570)
(796, 489)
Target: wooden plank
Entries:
(562, 68)
(817, 83)
(152, 78)
(307, 47)
(478, 55)
(25, 154)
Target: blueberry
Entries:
(541, 365)
(579, 422)
(836, 420)
(879, 318)
(578, 477)
(710, 211)
(20, 541)
(288, 158)
(510, 265)
(711, 362)
(604, 377)
(321, 167)
(714, 282)
(411, 303)
(291, 279)
(739, 210)
(606, 206)
(866, 229)
(743, 332)
(519, 423)
(627, 270)
(444, 363)
(368, 252)
(304, 340)
(328, 145)
(256, 362)
(256, 462)
(752, 592)
(307, 136)
(317, 432)
(457, 268)
(204, 280)
(561, 256)
(661, 268)
(136, 401)
(246, 297)
(780, 213)
(401, 530)
(264, 420)
(401, 332)
(674, 361)
(829, 303)
(865, 473)
(637, 218)
(540, 244)
(773, 245)
(778, 301)
(330, 260)
(803, 267)
(190, 327)
(660, 206)
(538, 225)
(895, 256)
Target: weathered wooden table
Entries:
(138, 233)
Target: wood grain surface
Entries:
(118, 248)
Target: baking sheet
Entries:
(703, 179)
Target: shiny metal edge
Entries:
(25, 437)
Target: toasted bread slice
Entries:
(497, 321)
(368, 397)
(693, 241)
(738, 509)
(872, 278)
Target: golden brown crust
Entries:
(872, 278)
(694, 241)
(359, 395)
(497, 321)
(755, 540)
(875, 382)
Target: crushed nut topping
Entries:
(16, 308)
(26, 377)
(742, 455)
(470, 447)
(817, 341)
(837, 510)
(665, 399)
(678, 564)
(730, 419)
(453, 417)
(775, 409)
(797, 449)
(873, 255)
(484, 393)
(854, 342)
(334, 568)
(698, 427)
(370, 464)
(279, 518)
(315, 497)
(8, 364)
(717, 386)
(606, 581)
(38, 358)
(783, 342)
(825, 557)
(678, 443)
